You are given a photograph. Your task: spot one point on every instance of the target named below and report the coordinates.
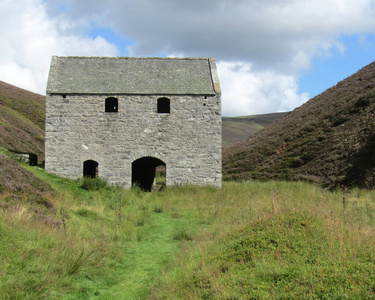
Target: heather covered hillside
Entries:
(16, 179)
(329, 140)
(21, 120)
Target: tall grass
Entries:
(274, 239)
(277, 240)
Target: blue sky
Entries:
(121, 42)
(328, 71)
(272, 55)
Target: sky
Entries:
(272, 55)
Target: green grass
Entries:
(285, 256)
(113, 244)
(279, 240)
(255, 239)
(145, 257)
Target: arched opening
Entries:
(111, 104)
(148, 173)
(164, 106)
(90, 169)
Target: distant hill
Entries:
(236, 129)
(21, 120)
(329, 140)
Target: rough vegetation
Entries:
(246, 240)
(21, 120)
(14, 178)
(329, 140)
(276, 240)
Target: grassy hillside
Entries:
(278, 241)
(21, 120)
(329, 140)
(246, 240)
(236, 129)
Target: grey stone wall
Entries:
(188, 139)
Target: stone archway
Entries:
(90, 169)
(144, 171)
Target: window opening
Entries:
(164, 106)
(90, 169)
(111, 104)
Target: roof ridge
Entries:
(132, 57)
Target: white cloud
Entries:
(260, 46)
(247, 92)
(29, 37)
(269, 34)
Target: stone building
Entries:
(119, 118)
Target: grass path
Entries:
(145, 259)
(144, 256)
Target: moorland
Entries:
(294, 218)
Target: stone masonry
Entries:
(185, 136)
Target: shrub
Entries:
(86, 213)
(158, 209)
(182, 235)
(93, 184)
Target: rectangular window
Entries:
(111, 104)
(164, 106)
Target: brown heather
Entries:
(14, 178)
(22, 130)
(21, 120)
(329, 140)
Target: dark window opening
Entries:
(164, 106)
(64, 96)
(90, 169)
(111, 104)
(33, 159)
(149, 174)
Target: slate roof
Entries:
(129, 75)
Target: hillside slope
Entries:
(21, 120)
(329, 140)
(15, 179)
(236, 129)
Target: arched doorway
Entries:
(144, 170)
(90, 169)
